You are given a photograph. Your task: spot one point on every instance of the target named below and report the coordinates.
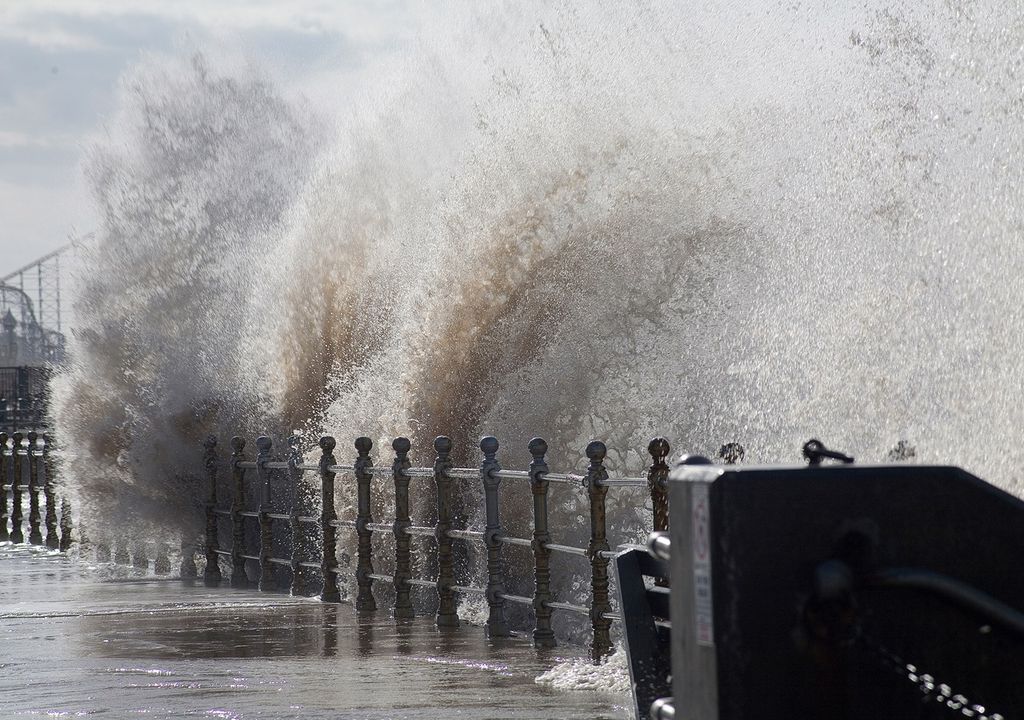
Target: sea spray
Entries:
(192, 181)
(757, 222)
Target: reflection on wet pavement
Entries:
(75, 644)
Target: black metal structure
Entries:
(845, 592)
(645, 624)
(23, 398)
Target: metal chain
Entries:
(931, 689)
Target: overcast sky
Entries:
(60, 61)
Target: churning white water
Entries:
(759, 221)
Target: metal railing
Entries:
(538, 477)
(29, 454)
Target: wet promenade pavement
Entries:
(74, 643)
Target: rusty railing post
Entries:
(35, 534)
(211, 575)
(364, 600)
(599, 604)
(4, 517)
(543, 635)
(657, 482)
(65, 525)
(403, 541)
(299, 586)
(17, 535)
(264, 446)
(238, 577)
(447, 615)
(497, 625)
(52, 540)
(328, 515)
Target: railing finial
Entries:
(596, 452)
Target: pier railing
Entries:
(301, 524)
(26, 473)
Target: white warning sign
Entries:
(703, 611)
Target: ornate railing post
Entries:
(102, 550)
(364, 600)
(599, 605)
(329, 562)
(139, 559)
(264, 446)
(238, 577)
(121, 556)
(299, 586)
(447, 615)
(35, 534)
(17, 535)
(657, 482)
(543, 635)
(403, 541)
(188, 569)
(161, 563)
(65, 525)
(497, 625)
(49, 491)
(4, 535)
(211, 575)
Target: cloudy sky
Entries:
(60, 61)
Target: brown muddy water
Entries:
(77, 642)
